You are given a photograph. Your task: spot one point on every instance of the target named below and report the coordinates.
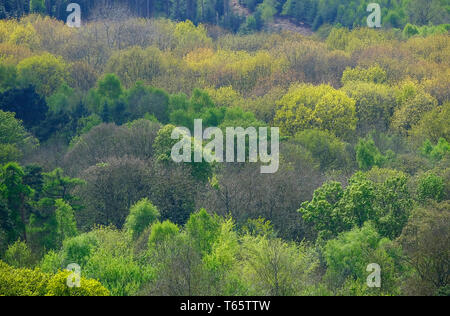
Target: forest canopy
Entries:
(86, 175)
(246, 15)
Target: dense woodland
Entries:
(86, 177)
(246, 15)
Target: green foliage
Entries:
(200, 106)
(437, 152)
(16, 195)
(57, 185)
(323, 210)
(277, 268)
(434, 125)
(368, 155)
(142, 215)
(329, 150)
(26, 282)
(137, 64)
(374, 74)
(425, 242)
(413, 104)
(9, 152)
(164, 144)
(118, 272)
(12, 131)
(358, 201)
(161, 232)
(13, 138)
(259, 227)
(251, 25)
(143, 100)
(410, 30)
(313, 13)
(221, 262)
(79, 249)
(46, 72)
(22, 282)
(267, 9)
(19, 255)
(53, 218)
(110, 86)
(203, 229)
(344, 97)
(85, 124)
(334, 210)
(374, 105)
(59, 100)
(351, 40)
(8, 77)
(37, 6)
(353, 13)
(322, 107)
(189, 36)
(393, 202)
(430, 186)
(422, 13)
(348, 256)
(57, 286)
(52, 262)
(103, 254)
(65, 218)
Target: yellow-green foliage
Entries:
(189, 36)
(27, 282)
(264, 106)
(6, 28)
(46, 72)
(433, 125)
(137, 64)
(12, 54)
(240, 69)
(276, 268)
(322, 107)
(57, 286)
(374, 104)
(13, 138)
(357, 39)
(324, 91)
(225, 96)
(18, 255)
(434, 48)
(413, 103)
(374, 74)
(23, 34)
(22, 282)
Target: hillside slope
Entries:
(278, 24)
